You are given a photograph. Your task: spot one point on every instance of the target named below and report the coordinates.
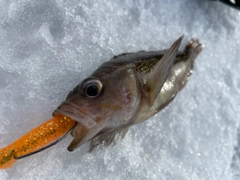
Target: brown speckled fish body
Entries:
(125, 91)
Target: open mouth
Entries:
(72, 111)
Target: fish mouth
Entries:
(72, 111)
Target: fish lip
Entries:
(74, 113)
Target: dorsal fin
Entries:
(158, 75)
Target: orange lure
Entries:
(42, 136)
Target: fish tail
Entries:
(193, 48)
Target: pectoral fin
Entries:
(108, 138)
(158, 75)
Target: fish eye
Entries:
(93, 88)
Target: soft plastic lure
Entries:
(43, 136)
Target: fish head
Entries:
(107, 99)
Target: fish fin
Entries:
(119, 55)
(108, 138)
(158, 75)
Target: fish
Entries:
(124, 91)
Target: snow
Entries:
(48, 47)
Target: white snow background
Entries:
(47, 47)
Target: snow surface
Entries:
(47, 47)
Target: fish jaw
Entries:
(87, 126)
(75, 113)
